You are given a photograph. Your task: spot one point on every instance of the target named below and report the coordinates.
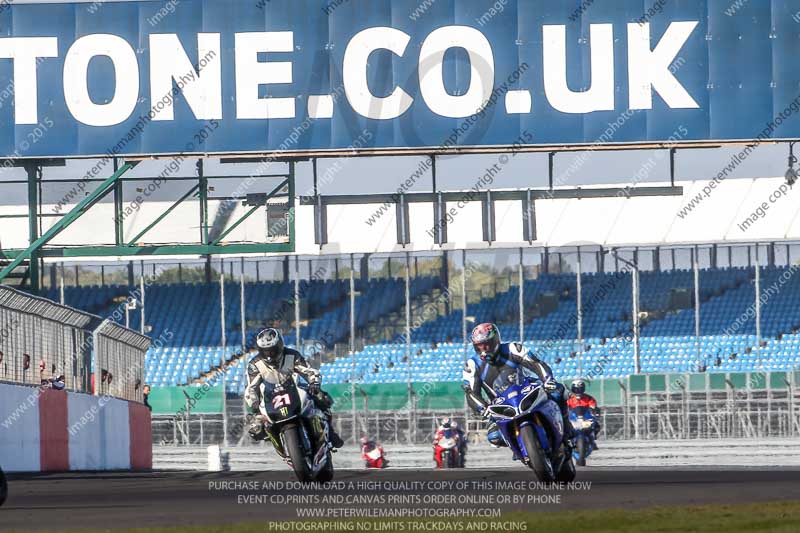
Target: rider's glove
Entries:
(550, 385)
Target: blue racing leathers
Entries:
(491, 377)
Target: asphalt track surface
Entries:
(124, 500)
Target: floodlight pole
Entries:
(521, 298)
(297, 302)
(758, 309)
(222, 357)
(243, 317)
(408, 345)
(579, 311)
(464, 342)
(353, 345)
(61, 285)
(637, 355)
(34, 175)
(141, 290)
(696, 273)
(637, 362)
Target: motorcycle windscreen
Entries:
(281, 400)
(582, 412)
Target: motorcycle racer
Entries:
(273, 354)
(372, 453)
(579, 398)
(491, 368)
(461, 442)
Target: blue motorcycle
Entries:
(532, 426)
(582, 419)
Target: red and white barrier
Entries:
(57, 431)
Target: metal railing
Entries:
(40, 339)
(764, 414)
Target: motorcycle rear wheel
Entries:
(538, 462)
(580, 447)
(293, 444)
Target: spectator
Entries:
(146, 395)
(56, 382)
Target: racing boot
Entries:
(569, 431)
(257, 430)
(336, 440)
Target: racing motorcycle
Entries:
(449, 445)
(532, 426)
(582, 419)
(3, 488)
(299, 431)
(375, 457)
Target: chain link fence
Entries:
(771, 413)
(40, 340)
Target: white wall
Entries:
(19, 437)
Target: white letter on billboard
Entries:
(648, 70)
(251, 73)
(24, 51)
(431, 74)
(354, 71)
(598, 97)
(202, 89)
(126, 82)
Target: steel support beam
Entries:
(164, 214)
(34, 174)
(455, 196)
(250, 212)
(119, 235)
(76, 212)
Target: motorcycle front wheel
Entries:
(537, 460)
(447, 458)
(293, 444)
(3, 488)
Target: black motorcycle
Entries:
(299, 430)
(3, 488)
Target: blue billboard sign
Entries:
(319, 76)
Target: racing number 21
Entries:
(281, 400)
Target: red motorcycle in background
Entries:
(373, 455)
(447, 449)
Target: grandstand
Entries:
(728, 339)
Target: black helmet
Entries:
(270, 345)
(486, 341)
(578, 386)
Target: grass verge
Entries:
(778, 517)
